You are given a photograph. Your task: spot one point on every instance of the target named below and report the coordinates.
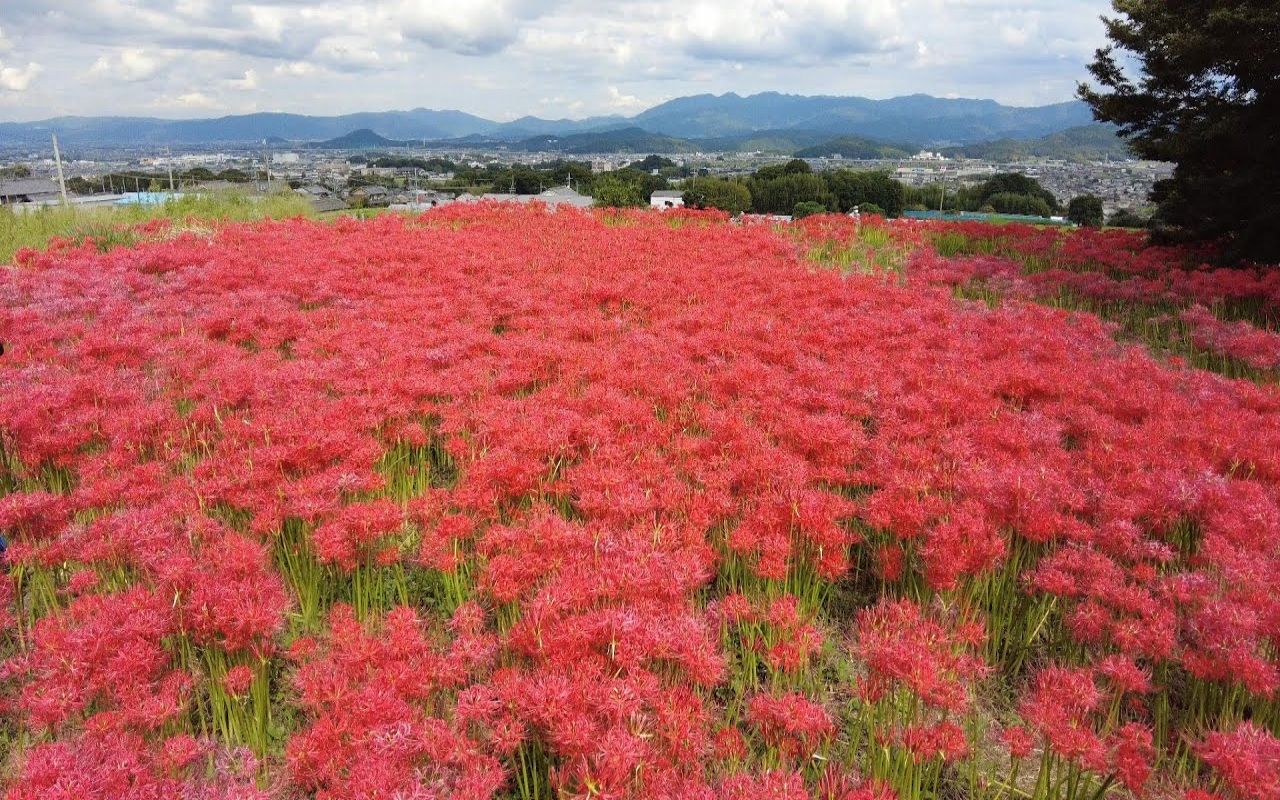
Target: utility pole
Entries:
(62, 182)
(169, 158)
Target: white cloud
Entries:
(195, 100)
(623, 52)
(559, 106)
(472, 28)
(296, 69)
(247, 83)
(788, 30)
(131, 64)
(350, 54)
(626, 103)
(497, 57)
(1015, 35)
(18, 79)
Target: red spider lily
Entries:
(1247, 760)
(835, 784)
(1059, 707)
(903, 647)
(360, 533)
(1018, 740)
(237, 680)
(780, 785)
(792, 724)
(233, 598)
(103, 662)
(1133, 755)
(123, 767)
(1257, 348)
(945, 741)
(368, 730)
(599, 485)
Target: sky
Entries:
(503, 59)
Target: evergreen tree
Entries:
(1204, 96)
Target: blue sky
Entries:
(506, 58)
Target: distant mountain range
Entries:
(917, 118)
(1085, 143)
(768, 121)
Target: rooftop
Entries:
(27, 186)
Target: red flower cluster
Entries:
(1247, 760)
(499, 501)
(1257, 348)
(903, 647)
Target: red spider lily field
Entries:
(497, 502)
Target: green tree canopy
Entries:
(726, 195)
(1086, 210)
(1126, 218)
(650, 163)
(781, 194)
(807, 209)
(1016, 184)
(615, 191)
(1010, 203)
(1198, 84)
(859, 189)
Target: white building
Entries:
(667, 199)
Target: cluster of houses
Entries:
(423, 200)
(41, 191)
(323, 199)
(426, 199)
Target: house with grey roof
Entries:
(27, 190)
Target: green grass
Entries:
(109, 225)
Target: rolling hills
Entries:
(932, 121)
(1084, 143)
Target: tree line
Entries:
(794, 189)
(141, 181)
(629, 186)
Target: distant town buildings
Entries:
(559, 196)
(335, 179)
